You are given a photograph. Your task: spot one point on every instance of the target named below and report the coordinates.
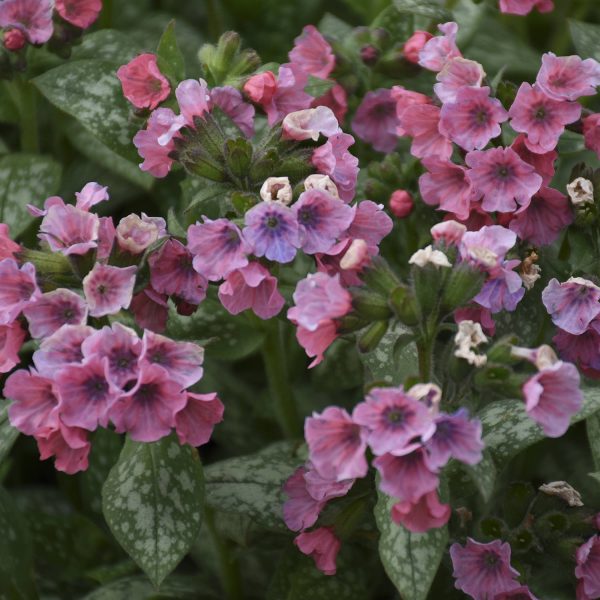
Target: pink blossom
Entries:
(251, 287)
(542, 163)
(456, 74)
(54, 309)
(421, 122)
(401, 204)
(150, 310)
(371, 224)
(309, 124)
(376, 120)
(405, 98)
(63, 347)
(336, 445)
(312, 54)
(106, 238)
(156, 155)
(502, 179)
(473, 119)
(108, 289)
(573, 305)
(588, 567)
(8, 248)
(81, 13)
(147, 412)
(260, 88)
(69, 230)
(346, 259)
(568, 77)
(393, 419)
(542, 118)
(32, 17)
(14, 39)
(449, 232)
(483, 570)
(91, 194)
(524, 7)
(591, 132)
(336, 99)
(414, 44)
(520, 593)
(316, 342)
(421, 516)
(333, 159)
(487, 247)
(583, 349)
(323, 545)
(439, 50)
(193, 99)
(195, 422)
(69, 446)
(18, 289)
(300, 510)
(219, 247)
(321, 488)
(11, 339)
(231, 102)
(143, 83)
(134, 235)
(289, 95)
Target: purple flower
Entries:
(195, 422)
(487, 247)
(300, 510)
(63, 347)
(273, 232)
(333, 159)
(504, 290)
(568, 77)
(582, 349)
(588, 567)
(108, 289)
(18, 288)
(54, 309)
(376, 120)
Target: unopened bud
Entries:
(277, 189)
(371, 338)
(401, 204)
(429, 256)
(260, 88)
(14, 39)
(463, 284)
(404, 303)
(581, 191)
(414, 45)
(321, 182)
(369, 55)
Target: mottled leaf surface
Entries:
(8, 434)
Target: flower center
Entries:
(272, 222)
(540, 113)
(490, 561)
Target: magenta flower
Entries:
(231, 102)
(591, 133)
(11, 339)
(502, 179)
(588, 567)
(542, 118)
(421, 516)
(371, 223)
(473, 119)
(81, 13)
(483, 570)
(524, 7)
(573, 305)
(456, 74)
(150, 310)
(392, 419)
(300, 510)
(147, 412)
(54, 309)
(333, 159)
(312, 54)
(162, 124)
(552, 397)
(32, 17)
(323, 545)
(487, 247)
(8, 248)
(18, 289)
(336, 444)
(219, 247)
(251, 287)
(142, 82)
(542, 163)
(63, 347)
(376, 121)
(568, 77)
(108, 289)
(69, 446)
(195, 422)
(289, 95)
(69, 230)
(583, 349)
(421, 122)
(272, 230)
(309, 123)
(414, 44)
(439, 50)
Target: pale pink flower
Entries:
(11, 339)
(63, 347)
(323, 545)
(439, 50)
(134, 234)
(69, 230)
(414, 44)
(81, 13)
(450, 232)
(457, 73)
(163, 124)
(424, 514)
(193, 99)
(195, 422)
(142, 82)
(312, 54)
(524, 7)
(309, 124)
(32, 17)
(334, 159)
(91, 194)
(18, 289)
(54, 309)
(69, 446)
(376, 120)
(588, 567)
(421, 122)
(568, 77)
(108, 289)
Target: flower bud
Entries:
(463, 284)
(581, 191)
(371, 338)
(404, 304)
(401, 204)
(369, 55)
(369, 305)
(380, 277)
(414, 45)
(261, 87)
(277, 189)
(134, 235)
(14, 39)
(321, 182)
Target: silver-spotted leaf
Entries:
(8, 434)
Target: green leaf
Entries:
(252, 485)
(423, 8)
(8, 434)
(586, 38)
(483, 475)
(410, 560)
(334, 28)
(90, 91)
(317, 87)
(205, 198)
(106, 44)
(25, 179)
(170, 58)
(152, 502)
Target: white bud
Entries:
(277, 189)
(321, 182)
(581, 191)
(430, 256)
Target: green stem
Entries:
(107, 14)
(23, 95)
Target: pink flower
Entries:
(543, 220)
(477, 314)
(483, 570)
(425, 514)
(181, 360)
(231, 102)
(69, 230)
(520, 593)
(323, 545)
(487, 247)
(502, 179)
(552, 397)
(309, 123)
(156, 155)
(542, 118)
(588, 567)
(336, 99)
(524, 7)
(591, 132)
(376, 120)
(473, 119)
(147, 412)
(321, 488)
(18, 289)
(289, 95)
(69, 446)
(503, 290)
(106, 239)
(195, 422)
(542, 163)
(14, 39)
(32, 17)
(8, 248)
(143, 83)
(573, 305)
(300, 510)
(134, 235)
(150, 310)
(568, 77)
(439, 50)
(336, 445)
(371, 224)
(108, 289)
(421, 122)
(446, 185)
(54, 309)
(583, 349)
(393, 419)
(333, 159)
(219, 247)
(81, 13)
(193, 99)
(63, 347)
(260, 88)
(11, 339)
(312, 54)
(251, 287)
(91, 194)
(401, 204)
(456, 74)
(414, 44)
(449, 232)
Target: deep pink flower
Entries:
(231, 102)
(421, 122)
(156, 155)
(334, 159)
(568, 77)
(414, 44)
(336, 99)
(524, 7)
(588, 567)
(195, 422)
(376, 120)
(143, 83)
(312, 54)
(14, 39)
(69, 230)
(309, 124)
(54, 309)
(552, 397)
(8, 248)
(251, 287)
(405, 98)
(542, 163)
(573, 305)
(473, 119)
(63, 347)
(371, 223)
(150, 310)
(487, 247)
(300, 510)
(483, 570)
(393, 419)
(18, 288)
(424, 514)
(503, 290)
(456, 74)
(591, 132)
(108, 289)
(289, 95)
(11, 339)
(219, 247)
(32, 17)
(323, 545)
(336, 444)
(582, 349)
(69, 446)
(502, 179)
(542, 118)
(261, 87)
(147, 412)
(477, 314)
